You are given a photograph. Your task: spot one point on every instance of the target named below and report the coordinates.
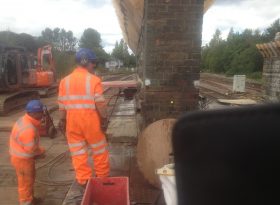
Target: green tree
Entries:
(117, 51)
(246, 62)
(28, 41)
(217, 39)
(270, 32)
(64, 62)
(64, 46)
(60, 39)
(47, 35)
(23, 40)
(120, 52)
(92, 39)
(237, 54)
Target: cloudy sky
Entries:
(32, 16)
(239, 14)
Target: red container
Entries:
(107, 191)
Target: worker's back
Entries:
(79, 91)
(78, 94)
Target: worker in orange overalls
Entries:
(83, 109)
(24, 148)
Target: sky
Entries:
(33, 16)
(239, 14)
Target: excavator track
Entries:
(49, 91)
(45, 92)
(13, 101)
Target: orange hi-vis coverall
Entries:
(24, 146)
(78, 93)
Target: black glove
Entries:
(62, 125)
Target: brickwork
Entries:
(172, 54)
(271, 78)
(271, 68)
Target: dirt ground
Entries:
(55, 173)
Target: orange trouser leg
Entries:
(82, 169)
(101, 164)
(97, 142)
(78, 149)
(84, 127)
(25, 170)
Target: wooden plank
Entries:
(273, 49)
(261, 50)
(237, 101)
(277, 43)
(267, 49)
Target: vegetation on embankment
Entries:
(65, 44)
(238, 53)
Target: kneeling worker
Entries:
(83, 109)
(24, 148)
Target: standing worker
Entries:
(82, 104)
(24, 148)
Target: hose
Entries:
(51, 164)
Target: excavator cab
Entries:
(45, 67)
(10, 69)
(15, 74)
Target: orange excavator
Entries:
(24, 76)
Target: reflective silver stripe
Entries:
(100, 151)
(87, 96)
(22, 129)
(67, 85)
(20, 154)
(76, 97)
(80, 106)
(103, 142)
(82, 151)
(78, 144)
(30, 144)
(20, 122)
(88, 90)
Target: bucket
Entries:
(107, 191)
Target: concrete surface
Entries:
(123, 124)
(51, 194)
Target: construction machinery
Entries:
(24, 76)
(45, 72)
(47, 128)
